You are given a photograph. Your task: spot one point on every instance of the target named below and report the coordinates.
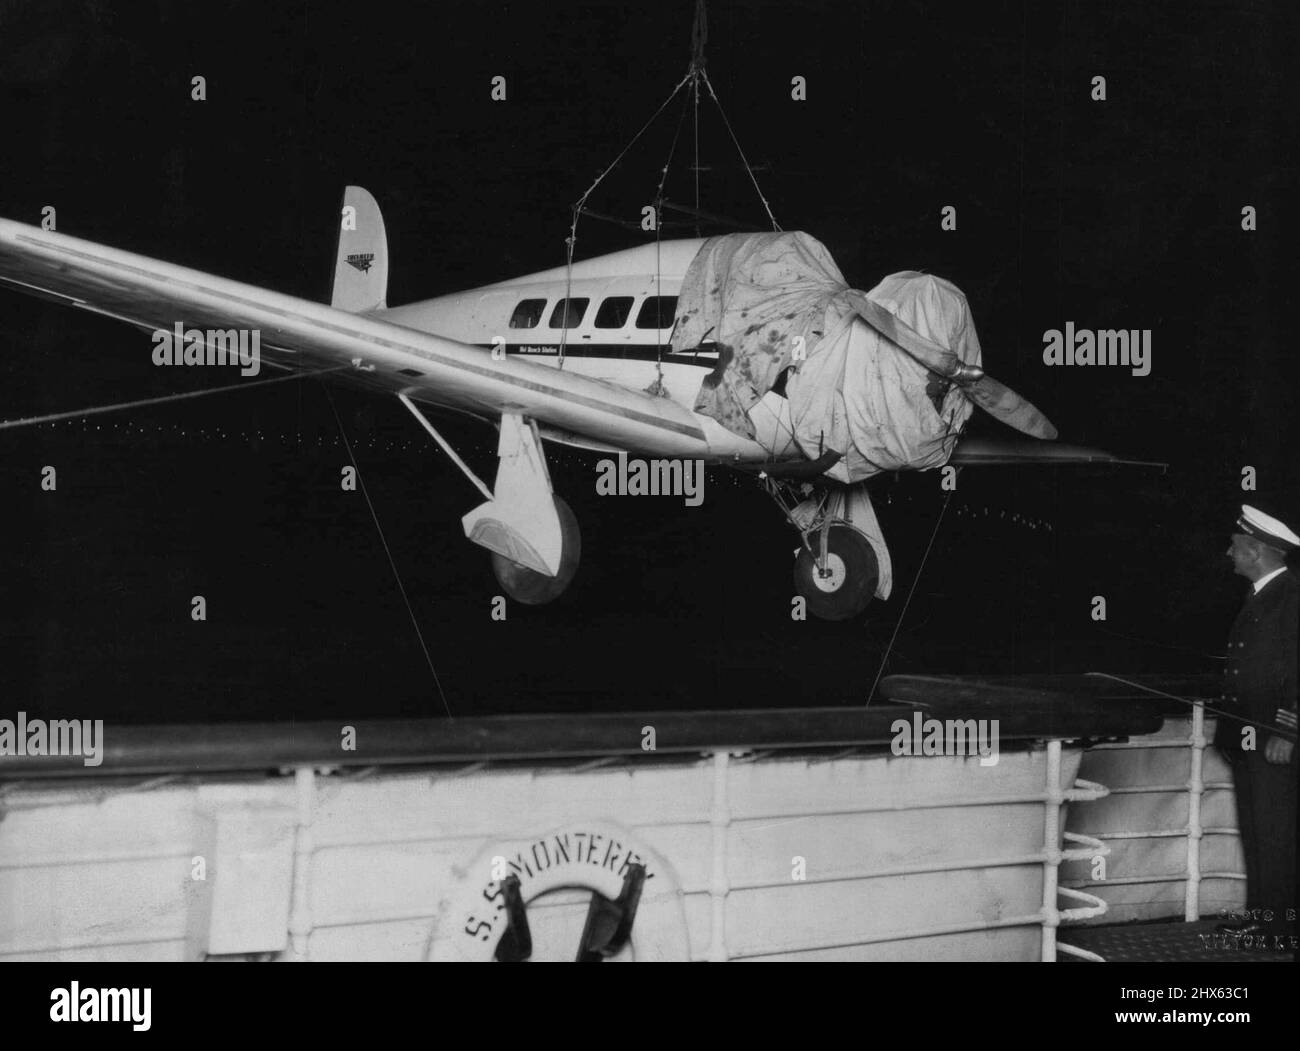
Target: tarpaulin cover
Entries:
(776, 301)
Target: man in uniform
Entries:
(1260, 689)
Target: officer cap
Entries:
(1267, 529)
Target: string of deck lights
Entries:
(716, 479)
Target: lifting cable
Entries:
(694, 75)
(572, 239)
(657, 388)
(743, 159)
(699, 35)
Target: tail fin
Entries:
(361, 268)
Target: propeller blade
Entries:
(937, 359)
(1000, 401)
(995, 398)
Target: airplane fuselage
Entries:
(619, 310)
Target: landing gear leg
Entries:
(836, 568)
(532, 533)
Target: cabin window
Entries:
(657, 312)
(528, 314)
(614, 312)
(568, 313)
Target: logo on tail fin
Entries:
(361, 260)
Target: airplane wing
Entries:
(996, 452)
(298, 333)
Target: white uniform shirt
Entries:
(1259, 584)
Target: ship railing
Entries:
(1193, 831)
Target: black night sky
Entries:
(1117, 214)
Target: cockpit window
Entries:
(568, 313)
(528, 314)
(657, 312)
(614, 312)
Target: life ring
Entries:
(592, 855)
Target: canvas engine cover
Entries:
(772, 302)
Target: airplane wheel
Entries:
(536, 589)
(851, 575)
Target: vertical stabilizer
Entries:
(361, 267)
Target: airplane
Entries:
(582, 355)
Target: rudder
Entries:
(361, 264)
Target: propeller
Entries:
(997, 399)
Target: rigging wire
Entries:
(1274, 730)
(911, 591)
(97, 410)
(657, 388)
(387, 550)
(1162, 645)
(572, 239)
(736, 142)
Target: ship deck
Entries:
(1173, 941)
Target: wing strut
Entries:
(520, 521)
(446, 447)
